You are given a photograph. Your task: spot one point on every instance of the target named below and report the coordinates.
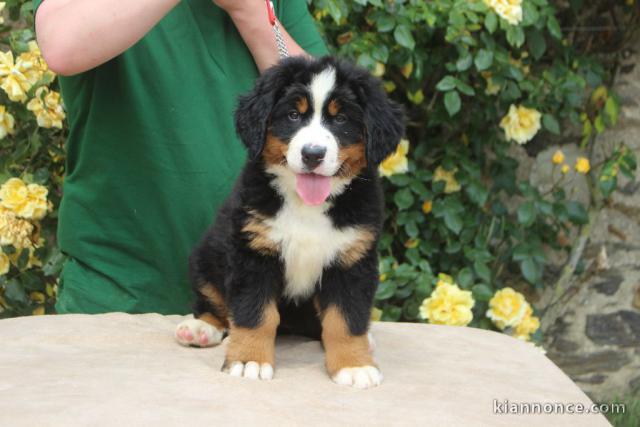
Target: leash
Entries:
(282, 47)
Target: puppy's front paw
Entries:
(359, 376)
(198, 333)
(252, 370)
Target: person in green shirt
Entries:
(150, 87)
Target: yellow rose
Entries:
(26, 201)
(448, 305)
(14, 81)
(507, 308)
(427, 206)
(510, 10)
(396, 162)
(451, 185)
(7, 122)
(47, 108)
(4, 263)
(38, 311)
(582, 165)
(15, 231)
(376, 314)
(565, 169)
(528, 325)
(378, 71)
(520, 124)
(558, 157)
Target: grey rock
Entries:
(592, 379)
(621, 328)
(583, 364)
(609, 285)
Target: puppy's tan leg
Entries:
(348, 358)
(251, 351)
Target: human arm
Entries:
(76, 35)
(250, 18)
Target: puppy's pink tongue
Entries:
(313, 189)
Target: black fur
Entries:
(248, 279)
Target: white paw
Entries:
(359, 377)
(252, 370)
(198, 333)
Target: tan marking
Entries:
(258, 233)
(255, 344)
(275, 151)
(342, 349)
(358, 248)
(302, 105)
(333, 108)
(213, 295)
(353, 160)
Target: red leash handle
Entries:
(271, 13)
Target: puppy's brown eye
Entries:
(341, 118)
(294, 115)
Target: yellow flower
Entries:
(38, 311)
(2, 5)
(565, 168)
(528, 325)
(510, 10)
(14, 81)
(4, 263)
(582, 165)
(47, 108)
(37, 297)
(445, 278)
(521, 123)
(558, 157)
(407, 70)
(507, 308)
(7, 122)
(448, 305)
(492, 87)
(427, 206)
(411, 243)
(451, 185)
(376, 314)
(26, 201)
(396, 162)
(379, 69)
(15, 231)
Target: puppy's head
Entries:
(317, 123)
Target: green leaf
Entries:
(465, 277)
(577, 213)
(491, 22)
(526, 213)
(385, 290)
(482, 271)
(385, 23)
(452, 102)
(14, 292)
(403, 36)
(464, 62)
(483, 59)
(515, 36)
(403, 198)
(537, 44)
(482, 292)
(453, 221)
(551, 124)
(554, 27)
(531, 271)
(612, 109)
(446, 84)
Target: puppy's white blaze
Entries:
(320, 87)
(308, 239)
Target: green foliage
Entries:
(631, 415)
(34, 153)
(469, 65)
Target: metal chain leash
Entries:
(282, 46)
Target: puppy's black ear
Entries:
(383, 120)
(254, 110)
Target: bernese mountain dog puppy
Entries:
(293, 249)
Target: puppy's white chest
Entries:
(309, 242)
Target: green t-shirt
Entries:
(151, 154)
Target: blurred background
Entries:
(512, 204)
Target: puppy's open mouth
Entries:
(312, 188)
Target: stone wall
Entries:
(596, 339)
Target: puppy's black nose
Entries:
(312, 155)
